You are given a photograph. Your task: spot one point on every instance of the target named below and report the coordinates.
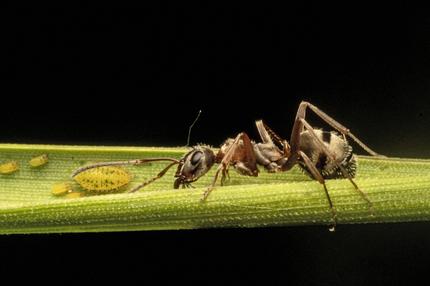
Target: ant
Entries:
(322, 155)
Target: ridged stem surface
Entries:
(398, 188)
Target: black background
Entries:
(137, 75)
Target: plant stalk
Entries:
(398, 188)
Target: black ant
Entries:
(322, 155)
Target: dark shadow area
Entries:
(354, 255)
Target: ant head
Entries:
(193, 165)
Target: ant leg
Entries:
(324, 148)
(267, 134)
(121, 163)
(161, 174)
(212, 185)
(263, 131)
(317, 176)
(224, 176)
(240, 151)
(301, 113)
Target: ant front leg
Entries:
(301, 113)
(239, 154)
(212, 185)
(121, 163)
(159, 175)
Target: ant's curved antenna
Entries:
(191, 126)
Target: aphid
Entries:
(38, 161)
(9, 167)
(60, 189)
(103, 179)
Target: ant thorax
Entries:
(223, 150)
(238, 153)
(338, 147)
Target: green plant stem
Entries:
(398, 189)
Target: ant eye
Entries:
(196, 158)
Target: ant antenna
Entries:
(191, 126)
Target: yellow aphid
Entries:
(9, 167)
(103, 179)
(38, 161)
(60, 189)
(74, 195)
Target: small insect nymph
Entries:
(38, 161)
(9, 167)
(60, 189)
(65, 189)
